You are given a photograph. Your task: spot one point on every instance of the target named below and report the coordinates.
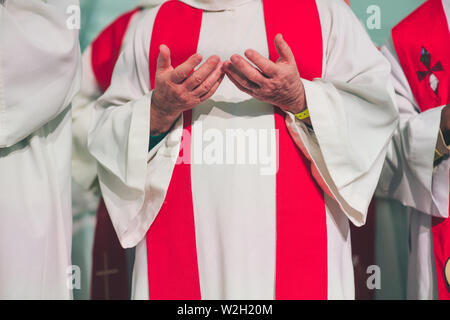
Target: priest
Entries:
(39, 75)
(270, 148)
(415, 180)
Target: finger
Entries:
(234, 74)
(183, 70)
(209, 82)
(163, 61)
(199, 75)
(213, 90)
(267, 67)
(247, 70)
(240, 87)
(283, 49)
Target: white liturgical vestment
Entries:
(84, 169)
(353, 117)
(39, 75)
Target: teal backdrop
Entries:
(97, 14)
(391, 11)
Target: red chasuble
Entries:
(109, 278)
(301, 257)
(422, 43)
(107, 47)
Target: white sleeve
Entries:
(408, 174)
(39, 65)
(84, 166)
(120, 132)
(352, 112)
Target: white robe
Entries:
(85, 191)
(353, 114)
(84, 167)
(39, 75)
(410, 178)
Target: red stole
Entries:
(109, 276)
(107, 47)
(301, 258)
(422, 43)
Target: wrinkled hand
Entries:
(275, 83)
(178, 90)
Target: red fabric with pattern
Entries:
(109, 276)
(427, 27)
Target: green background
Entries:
(392, 12)
(97, 14)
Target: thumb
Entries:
(283, 49)
(164, 61)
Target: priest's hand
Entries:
(180, 89)
(275, 83)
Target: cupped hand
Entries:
(276, 83)
(180, 89)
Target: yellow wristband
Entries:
(302, 115)
(437, 155)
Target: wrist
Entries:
(302, 113)
(161, 120)
(298, 105)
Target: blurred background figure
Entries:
(383, 240)
(107, 27)
(418, 51)
(95, 15)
